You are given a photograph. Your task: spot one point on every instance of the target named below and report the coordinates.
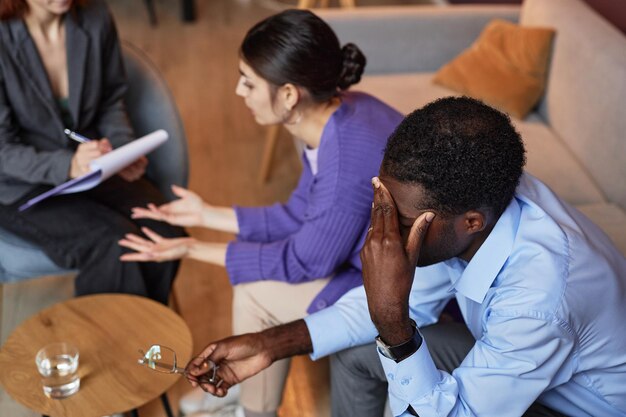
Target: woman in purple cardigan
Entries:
(298, 257)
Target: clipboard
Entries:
(104, 167)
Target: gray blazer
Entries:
(33, 148)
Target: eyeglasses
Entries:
(163, 359)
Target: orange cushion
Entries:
(505, 67)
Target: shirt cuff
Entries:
(410, 379)
(327, 339)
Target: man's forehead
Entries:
(409, 197)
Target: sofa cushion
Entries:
(401, 38)
(405, 92)
(585, 96)
(611, 219)
(548, 157)
(505, 67)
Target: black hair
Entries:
(298, 47)
(465, 154)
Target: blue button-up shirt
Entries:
(544, 297)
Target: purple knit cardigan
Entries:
(320, 230)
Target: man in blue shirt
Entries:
(541, 289)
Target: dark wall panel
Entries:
(613, 10)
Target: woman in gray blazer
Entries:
(61, 67)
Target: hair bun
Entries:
(353, 65)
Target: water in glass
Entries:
(58, 365)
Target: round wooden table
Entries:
(108, 330)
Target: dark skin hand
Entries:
(389, 265)
(240, 357)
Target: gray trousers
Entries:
(359, 385)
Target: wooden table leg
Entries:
(189, 10)
(305, 4)
(166, 405)
(151, 12)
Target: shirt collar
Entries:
(485, 265)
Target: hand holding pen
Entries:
(87, 151)
(76, 136)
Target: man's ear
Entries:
(290, 96)
(474, 221)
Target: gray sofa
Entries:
(575, 138)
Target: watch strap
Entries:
(403, 350)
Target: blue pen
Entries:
(75, 136)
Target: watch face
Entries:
(383, 349)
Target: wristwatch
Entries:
(404, 349)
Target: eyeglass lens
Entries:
(160, 358)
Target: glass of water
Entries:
(58, 365)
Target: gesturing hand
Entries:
(389, 266)
(237, 358)
(157, 249)
(186, 211)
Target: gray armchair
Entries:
(150, 107)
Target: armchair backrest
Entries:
(151, 106)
